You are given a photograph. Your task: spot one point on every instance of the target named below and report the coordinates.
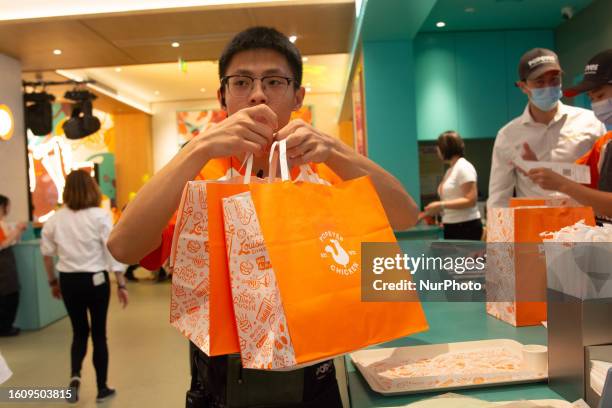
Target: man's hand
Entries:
(250, 130)
(547, 179)
(528, 154)
(305, 144)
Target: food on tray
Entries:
(478, 361)
(470, 364)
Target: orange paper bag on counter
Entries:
(516, 265)
(550, 201)
(303, 303)
(201, 306)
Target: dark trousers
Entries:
(8, 310)
(469, 230)
(81, 296)
(225, 384)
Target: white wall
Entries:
(165, 133)
(13, 161)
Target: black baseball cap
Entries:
(597, 72)
(537, 61)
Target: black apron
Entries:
(9, 282)
(605, 178)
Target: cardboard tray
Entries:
(375, 366)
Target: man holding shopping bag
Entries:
(260, 85)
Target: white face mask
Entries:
(603, 111)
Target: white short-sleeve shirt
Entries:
(78, 239)
(457, 175)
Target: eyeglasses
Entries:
(240, 86)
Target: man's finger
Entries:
(298, 142)
(252, 147)
(264, 114)
(528, 154)
(289, 129)
(261, 129)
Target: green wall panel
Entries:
(390, 114)
(481, 88)
(436, 84)
(580, 38)
(465, 80)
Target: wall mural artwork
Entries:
(192, 123)
(53, 156)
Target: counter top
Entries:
(454, 322)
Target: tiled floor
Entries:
(148, 358)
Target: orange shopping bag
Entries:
(201, 306)
(516, 268)
(305, 302)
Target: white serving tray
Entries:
(467, 402)
(382, 368)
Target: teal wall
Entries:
(465, 80)
(419, 84)
(386, 30)
(390, 114)
(580, 38)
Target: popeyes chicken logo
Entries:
(341, 260)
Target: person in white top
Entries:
(457, 191)
(547, 130)
(77, 235)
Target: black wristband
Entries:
(53, 282)
(121, 287)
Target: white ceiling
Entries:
(153, 83)
(45, 9)
(136, 38)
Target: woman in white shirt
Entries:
(77, 235)
(457, 191)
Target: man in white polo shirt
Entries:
(547, 130)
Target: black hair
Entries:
(262, 38)
(450, 144)
(4, 202)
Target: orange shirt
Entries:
(214, 170)
(591, 158)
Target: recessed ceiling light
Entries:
(117, 69)
(308, 89)
(293, 38)
(470, 9)
(156, 92)
(440, 24)
(175, 45)
(202, 89)
(57, 52)
(304, 59)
